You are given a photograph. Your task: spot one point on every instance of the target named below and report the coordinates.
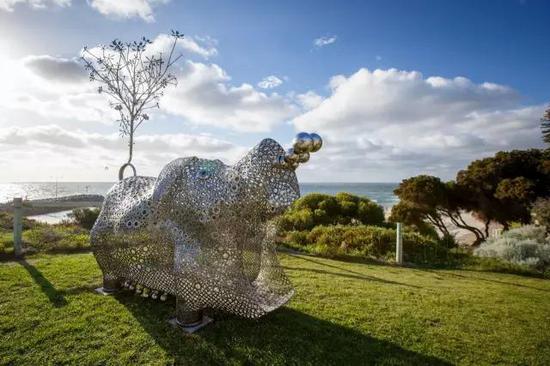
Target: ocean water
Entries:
(382, 193)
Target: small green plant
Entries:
(56, 238)
(85, 217)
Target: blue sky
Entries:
(417, 115)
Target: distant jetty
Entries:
(48, 205)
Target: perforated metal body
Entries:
(201, 231)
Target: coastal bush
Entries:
(365, 241)
(56, 238)
(528, 245)
(316, 209)
(541, 212)
(85, 217)
(6, 222)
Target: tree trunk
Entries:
(457, 219)
(131, 143)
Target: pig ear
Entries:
(167, 179)
(303, 144)
(163, 184)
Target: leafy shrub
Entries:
(85, 217)
(322, 209)
(365, 241)
(528, 245)
(56, 238)
(541, 212)
(6, 222)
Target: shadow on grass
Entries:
(56, 297)
(352, 274)
(477, 278)
(31, 253)
(456, 261)
(285, 336)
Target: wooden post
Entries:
(17, 226)
(399, 244)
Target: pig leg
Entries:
(111, 284)
(187, 314)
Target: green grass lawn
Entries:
(343, 313)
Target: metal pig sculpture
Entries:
(201, 231)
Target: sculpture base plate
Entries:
(192, 328)
(101, 291)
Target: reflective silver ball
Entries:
(303, 157)
(291, 156)
(302, 142)
(317, 142)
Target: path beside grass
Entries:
(342, 313)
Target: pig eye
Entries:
(203, 174)
(280, 160)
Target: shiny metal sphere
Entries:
(154, 295)
(317, 142)
(303, 157)
(291, 156)
(302, 142)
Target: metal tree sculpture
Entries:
(134, 80)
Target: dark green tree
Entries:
(503, 188)
(426, 198)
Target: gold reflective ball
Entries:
(302, 142)
(317, 142)
(303, 157)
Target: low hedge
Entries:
(42, 238)
(366, 241)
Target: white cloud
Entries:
(9, 5)
(270, 82)
(324, 41)
(309, 100)
(125, 9)
(204, 96)
(48, 89)
(189, 45)
(33, 152)
(384, 125)
(56, 69)
(45, 89)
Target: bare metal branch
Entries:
(133, 80)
